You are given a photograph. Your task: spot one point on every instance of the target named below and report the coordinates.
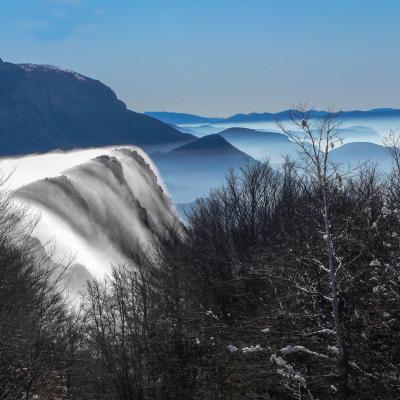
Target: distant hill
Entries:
(197, 130)
(44, 108)
(193, 169)
(209, 145)
(359, 133)
(353, 154)
(258, 144)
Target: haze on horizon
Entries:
(216, 58)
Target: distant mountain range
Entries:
(191, 170)
(182, 119)
(44, 108)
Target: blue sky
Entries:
(217, 57)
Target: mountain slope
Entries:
(45, 107)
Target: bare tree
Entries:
(33, 313)
(315, 138)
(392, 144)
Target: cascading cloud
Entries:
(93, 205)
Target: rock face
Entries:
(44, 108)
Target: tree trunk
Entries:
(342, 359)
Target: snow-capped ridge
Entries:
(48, 67)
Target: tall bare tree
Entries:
(315, 138)
(392, 144)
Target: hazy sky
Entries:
(217, 57)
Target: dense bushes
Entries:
(237, 304)
(32, 312)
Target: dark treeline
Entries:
(34, 320)
(237, 304)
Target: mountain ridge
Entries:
(44, 108)
(182, 118)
